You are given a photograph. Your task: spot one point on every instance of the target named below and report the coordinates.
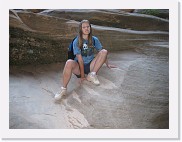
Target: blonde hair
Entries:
(80, 38)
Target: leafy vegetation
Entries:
(154, 12)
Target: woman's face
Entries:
(85, 28)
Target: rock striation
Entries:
(43, 37)
(133, 96)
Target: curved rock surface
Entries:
(162, 13)
(38, 38)
(113, 18)
(133, 96)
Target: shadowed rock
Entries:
(113, 18)
(162, 13)
(40, 39)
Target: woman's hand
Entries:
(111, 66)
(82, 79)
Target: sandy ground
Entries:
(133, 96)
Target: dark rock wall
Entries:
(35, 48)
(162, 13)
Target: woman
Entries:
(84, 62)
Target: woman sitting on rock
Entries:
(84, 61)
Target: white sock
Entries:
(93, 73)
(63, 87)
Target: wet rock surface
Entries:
(133, 96)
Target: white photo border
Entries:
(171, 133)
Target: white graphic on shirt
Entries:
(85, 47)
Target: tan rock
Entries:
(37, 38)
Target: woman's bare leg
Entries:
(98, 61)
(70, 67)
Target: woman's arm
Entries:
(81, 65)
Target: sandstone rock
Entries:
(162, 13)
(41, 38)
(128, 10)
(113, 18)
(35, 10)
(133, 96)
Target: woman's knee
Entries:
(104, 52)
(69, 64)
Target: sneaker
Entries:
(60, 94)
(93, 78)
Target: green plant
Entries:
(154, 12)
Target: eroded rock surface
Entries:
(134, 95)
(43, 38)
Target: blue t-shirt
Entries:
(86, 52)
